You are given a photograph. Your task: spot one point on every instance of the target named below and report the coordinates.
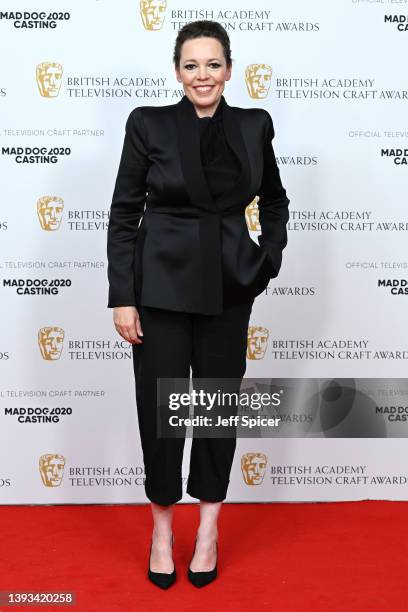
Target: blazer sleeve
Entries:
(272, 204)
(126, 210)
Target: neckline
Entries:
(216, 115)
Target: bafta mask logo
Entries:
(153, 13)
(52, 469)
(49, 76)
(257, 342)
(253, 467)
(252, 216)
(51, 341)
(258, 80)
(49, 210)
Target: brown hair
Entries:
(198, 29)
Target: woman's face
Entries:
(203, 71)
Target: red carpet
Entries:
(348, 556)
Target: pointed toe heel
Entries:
(201, 579)
(161, 579)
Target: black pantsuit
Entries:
(180, 251)
(214, 346)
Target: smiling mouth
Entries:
(203, 88)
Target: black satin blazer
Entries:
(169, 243)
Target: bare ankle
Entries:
(162, 535)
(207, 534)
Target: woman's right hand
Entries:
(127, 323)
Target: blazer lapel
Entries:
(189, 150)
(235, 139)
(188, 136)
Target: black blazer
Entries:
(190, 252)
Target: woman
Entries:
(183, 271)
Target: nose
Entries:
(202, 73)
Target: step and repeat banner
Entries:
(331, 74)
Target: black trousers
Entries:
(213, 346)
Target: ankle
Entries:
(162, 536)
(207, 535)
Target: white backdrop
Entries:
(337, 97)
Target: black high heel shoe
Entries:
(161, 579)
(200, 579)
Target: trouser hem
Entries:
(210, 493)
(163, 498)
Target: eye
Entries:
(214, 65)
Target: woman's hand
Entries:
(127, 323)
